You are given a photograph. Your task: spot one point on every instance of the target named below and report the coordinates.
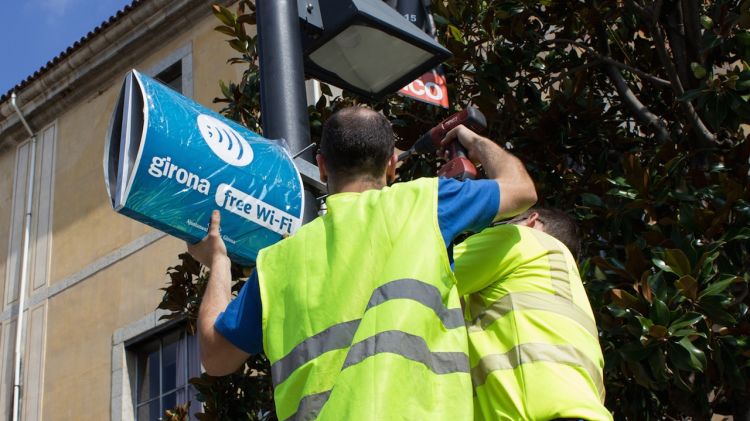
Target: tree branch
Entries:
(636, 106)
(567, 73)
(700, 128)
(691, 18)
(676, 35)
(653, 79)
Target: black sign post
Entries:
(283, 99)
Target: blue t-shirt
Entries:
(468, 205)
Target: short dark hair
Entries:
(557, 224)
(357, 142)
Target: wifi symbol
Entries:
(224, 141)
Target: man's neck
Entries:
(356, 186)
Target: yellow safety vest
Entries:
(533, 342)
(361, 316)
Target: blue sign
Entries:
(169, 162)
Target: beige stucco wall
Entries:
(79, 322)
(7, 165)
(85, 227)
(80, 325)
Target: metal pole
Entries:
(282, 81)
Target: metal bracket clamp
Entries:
(309, 12)
(310, 175)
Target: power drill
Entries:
(458, 166)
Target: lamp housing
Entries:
(365, 46)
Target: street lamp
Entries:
(365, 46)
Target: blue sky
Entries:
(32, 32)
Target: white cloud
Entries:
(52, 10)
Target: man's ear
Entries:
(322, 167)
(533, 221)
(390, 168)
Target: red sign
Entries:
(430, 88)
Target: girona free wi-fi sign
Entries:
(169, 162)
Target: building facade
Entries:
(92, 344)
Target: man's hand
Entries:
(211, 247)
(517, 192)
(218, 356)
(470, 140)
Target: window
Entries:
(163, 365)
(175, 70)
(172, 76)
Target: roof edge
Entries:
(106, 51)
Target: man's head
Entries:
(356, 147)
(553, 222)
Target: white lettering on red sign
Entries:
(430, 88)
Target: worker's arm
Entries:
(517, 191)
(218, 356)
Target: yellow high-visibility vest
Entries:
(533, 342)
(361, 316)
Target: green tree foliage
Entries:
(632, 115)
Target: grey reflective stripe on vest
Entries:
(426, 294)
(558, 265)
(310, 406)
(520, 301)
(341, 335)
(533, 352)
(395, 342)
(408, 346)
(335, 337)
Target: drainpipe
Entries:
(24, 267)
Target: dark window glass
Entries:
(148, 361)
(164, 364)
(149, 411)
(172, 76)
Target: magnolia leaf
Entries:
(697, 356)
(591, 200)
(659, 312)
(687, 319)
(456, 33)
(640, 374)
(226, 30)
(646, 323)
(604, 264)
(658, 364)
(224, 15)
(238, 45)
(699, 72)
(742, 233)
(624, 299)
(635, 263)
(658, 331)
(634, 351)
(688, 286)
(248, 19)
(679, 333)
(677, 262)
(661, 264)
(713, 307)
(681, 383)
(718, 287)
(645, 287)
(325, 89)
